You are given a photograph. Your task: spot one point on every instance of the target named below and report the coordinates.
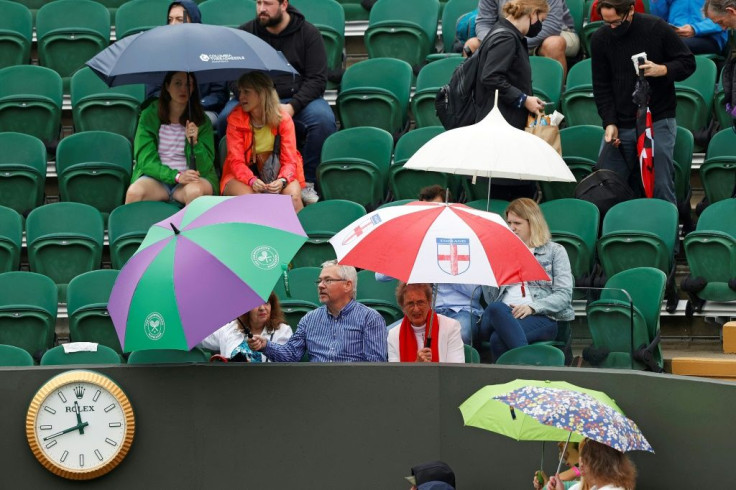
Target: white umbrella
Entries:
(492, 148)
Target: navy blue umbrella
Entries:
(213, 53)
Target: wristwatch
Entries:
(284, 183)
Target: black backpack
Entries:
(455, 102)
(605, 189)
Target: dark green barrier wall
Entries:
(363, 426)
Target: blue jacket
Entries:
(689, 12)
(553, 299)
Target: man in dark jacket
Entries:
(212, 95)
(668, 60)
(284, 27)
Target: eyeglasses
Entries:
(328, 281)
(618, 22)
(415, 304)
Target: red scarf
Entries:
(408, 340)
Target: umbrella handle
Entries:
(562, 454)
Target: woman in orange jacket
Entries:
(256, 129)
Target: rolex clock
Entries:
(80, 425)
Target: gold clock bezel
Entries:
(63, 379)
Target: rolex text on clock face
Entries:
(80, 427)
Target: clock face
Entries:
(80, 425)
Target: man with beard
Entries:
(284, 27)
(627, 33)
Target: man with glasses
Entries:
(342, 330)
(407, 342)
(625, 34)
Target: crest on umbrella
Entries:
(453, 255)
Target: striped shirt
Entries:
(356, 334)
(171, 142)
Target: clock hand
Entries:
(79, 418)
(65, 431)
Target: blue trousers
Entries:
(665, 131)
(469, 328)
(313, 124)
(506, 332)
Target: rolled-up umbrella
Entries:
(644, 134)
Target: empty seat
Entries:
(97, 107)
(16, 31)
(403, 30)
(22, 171)
(406, 183)
(379, 295)
(128, 225)
(11, 236)
(375, 93)
(547, 78)
(101, 354)
(695, 95)
(533, 355)
(354, 11)
(578, 104)
(718, 171)
(70, 33)
(93, 167)
(355, 165)
(471, 355)
(30, 101)
(27, 311)
(64, 240)
(321, 221)
(329, 17)
(140, 15)
(429, 81)
(451, 13)
(87, 298)
(168, 356)
(11, 355)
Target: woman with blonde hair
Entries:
(602, 467)
(519, 314)
(256, 130)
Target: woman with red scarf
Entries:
(407, 341)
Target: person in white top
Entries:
(407, 342)
(266, 321)
(602, 467)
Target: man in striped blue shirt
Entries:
(342, 330)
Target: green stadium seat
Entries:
(354, 11)
(610, 317)
(11, 236)
(329, 17)
(97, 107)
(59, 357)
(533, 355)
(406, 183)
(228, 13)
(93, 167)
(32, 5)
(497, 206)
(695, 95)
(27, 311)
(140, 15)
(70, 33)
(168, 356)
(451, 13)
(112, 7)
(30, 101)
(128, 225)
(379, 295)
(321, 221)
(711, 250)
(403, 30)
(683, 159)
(375, 93)
(580, 147)
(355, 165)
(429, 81)
(64, 240)
(22, 171)
(724, 120)
(718, 171)
(87, 298)
(577, 10)
(578, 104)
(547, 78)
(472, 356)
(587, 32)
(399, 202)
(16, 31)
(11, 355)
(300, 284)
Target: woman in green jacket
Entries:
(161, 150)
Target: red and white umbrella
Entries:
(425, 242)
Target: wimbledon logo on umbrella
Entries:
(220, 58)
(154, 326)
(265, 257)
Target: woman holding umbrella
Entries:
(261, 144)
(170, 131)
(519, 314)
(603, 468)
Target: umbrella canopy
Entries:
(482, 410)
(645, 134)
(492, 148)
(213, 53)
(577, 412)
(431, 242)
(199, 269)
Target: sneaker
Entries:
(309, 195)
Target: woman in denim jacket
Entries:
(519, 314)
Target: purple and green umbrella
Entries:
(579, 413)
(202, 267)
